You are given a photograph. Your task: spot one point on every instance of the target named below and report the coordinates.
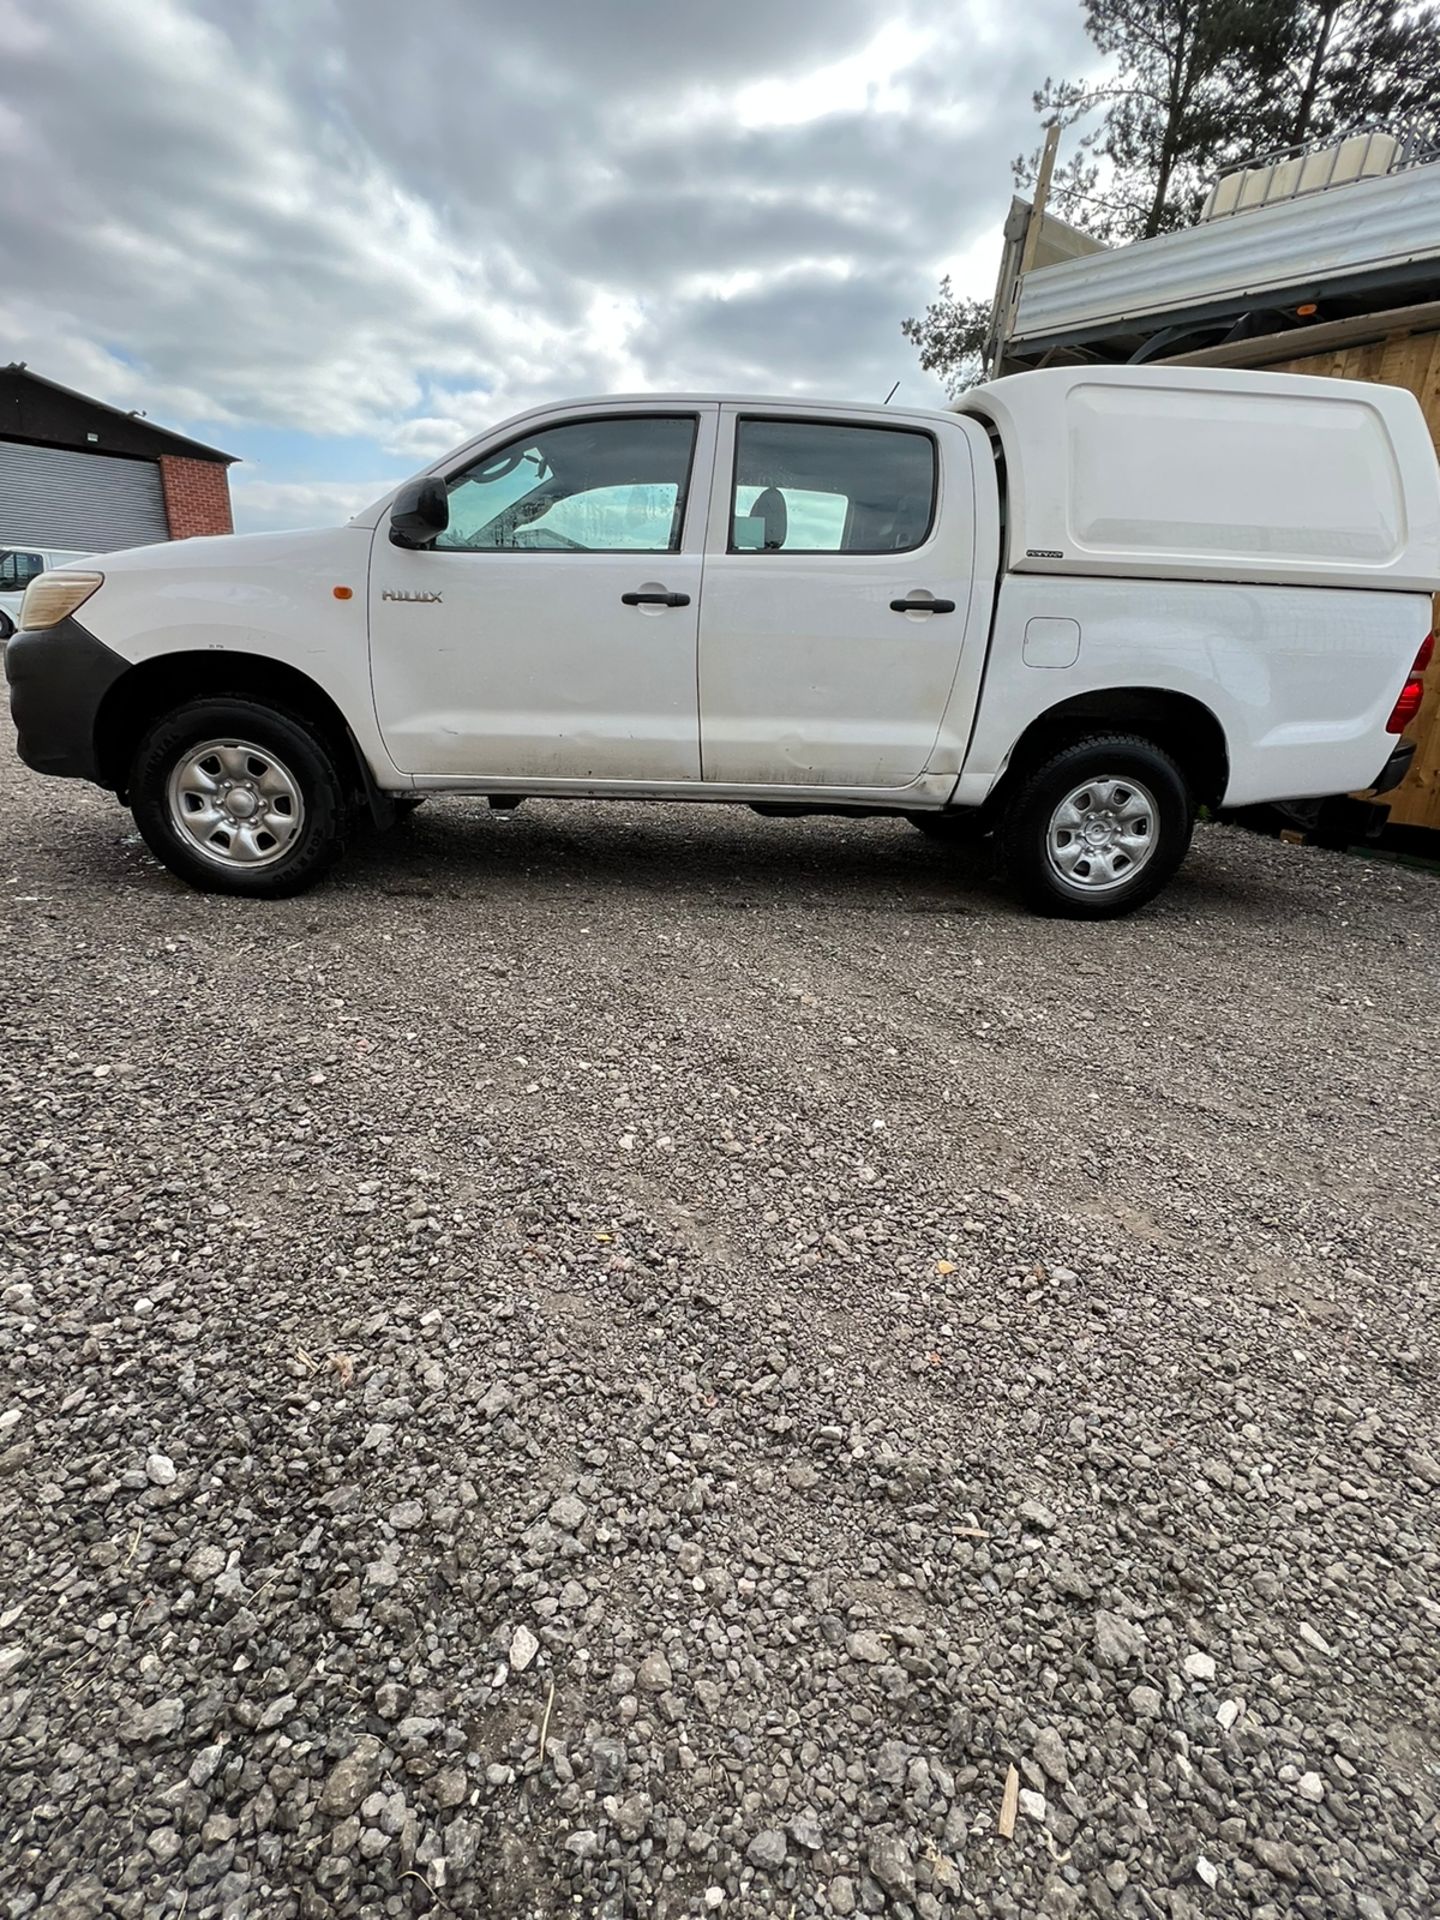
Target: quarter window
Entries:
(591, 486)
(805, 486)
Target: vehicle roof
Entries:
(794, 402)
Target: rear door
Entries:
(837, 584)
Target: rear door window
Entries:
(810, 486)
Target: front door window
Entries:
(590, 486)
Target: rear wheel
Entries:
(1099, 828)
(236, 797)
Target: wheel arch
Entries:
(152, 687)
(1181, 725)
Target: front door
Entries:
(836, 594)
(550, 633)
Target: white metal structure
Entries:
(1368, 230)
(1286, 176)
(1078, 608)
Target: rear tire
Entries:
(1098, 829)
(236, 797)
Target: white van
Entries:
(1074, 611)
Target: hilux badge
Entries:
(394, 593)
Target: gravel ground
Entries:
(633, 1361)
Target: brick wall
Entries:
(197, 496)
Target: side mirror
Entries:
(421, 509)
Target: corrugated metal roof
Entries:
(1367, 228)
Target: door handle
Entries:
(922, 604)
(660, 599)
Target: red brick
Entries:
(197, 496)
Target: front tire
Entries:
(1098, 829)
(236, 797)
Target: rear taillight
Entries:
(1412, 694)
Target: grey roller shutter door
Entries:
(94, 502)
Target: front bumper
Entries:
(58, 677)
(1395, 768)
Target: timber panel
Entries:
(1413, 361)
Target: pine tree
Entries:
(1196, 86)
(951, 338)
(1345, 64)
(1193, 88)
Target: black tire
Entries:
(309, 762)
(7, 626)
(1040, 792)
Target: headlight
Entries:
(53, 597)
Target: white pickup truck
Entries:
(1073, 611)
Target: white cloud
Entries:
(870, 77)
(425, 437)
(312, 217)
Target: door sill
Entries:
(930, 790)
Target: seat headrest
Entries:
(770, 507)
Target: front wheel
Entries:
(1099, 828)
(236, 797)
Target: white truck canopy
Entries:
(1186, 473)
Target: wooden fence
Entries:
(1413, 361)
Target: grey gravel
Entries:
(893, 1865)
(352, 1777)
(688, 1345)
(768, 1850)
(1117, 1641)
(523, 1648)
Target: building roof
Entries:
(42, 411)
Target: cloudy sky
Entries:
(336, 236)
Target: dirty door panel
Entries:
(551, 632)
(809, 673)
